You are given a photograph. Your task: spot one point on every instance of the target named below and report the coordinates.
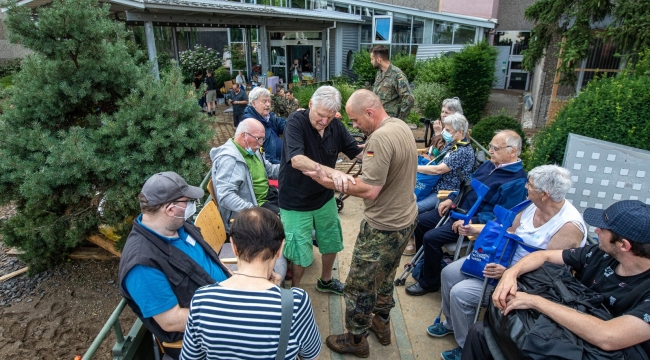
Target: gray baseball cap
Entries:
(168, 186)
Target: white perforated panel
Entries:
(604, 172)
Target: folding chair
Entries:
(460, 214)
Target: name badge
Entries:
(190, 241)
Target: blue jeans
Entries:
(429, 203)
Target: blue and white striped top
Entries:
(227, 323)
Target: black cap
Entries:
(628, 218)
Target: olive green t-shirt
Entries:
(258, 175)
(390, 160)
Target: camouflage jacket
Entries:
(279, 106)
(393, 89)
(292, 105)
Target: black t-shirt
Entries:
(298, 191)
(211, 83)
(596, 270)
(238, 108)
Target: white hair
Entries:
(552, 179)
(258, 92)
(453, 104)
(458, 122)
(513, 140)
(326, 97)
(246, 125)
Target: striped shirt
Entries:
(226, 323)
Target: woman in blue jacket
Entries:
(259, 108)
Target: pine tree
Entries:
(88, 125)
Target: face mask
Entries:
(447, 136)
(249, 151)
(189, 210)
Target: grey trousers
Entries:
(280, 267)
(460, 296)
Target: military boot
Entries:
(344, 344)
(381, 328)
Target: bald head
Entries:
(365, 110)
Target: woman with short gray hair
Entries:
(449, 106)
(259, 108)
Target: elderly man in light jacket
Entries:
(240, 176)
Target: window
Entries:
(444, 33)
(382, 30)
(349, 60)
(464, 34)
(401, 29)
(418, 30)
(366, 31)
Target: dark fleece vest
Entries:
(184, 274)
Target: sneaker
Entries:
(344, 344)
(410, 249)
(438, 330)
(381, 328)
(453, 354)
(335, 286)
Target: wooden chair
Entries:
(215, 230)
(228, 85)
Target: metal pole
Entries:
(247, 50)
(151, 48)
(114, 319)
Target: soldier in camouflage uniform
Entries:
(279, 103)
(292, 102)
(391, 85)
(390, 216)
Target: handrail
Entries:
(476, 143)
(113, 322)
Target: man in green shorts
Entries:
(390, 216)
(311, 137)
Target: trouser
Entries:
(460, 297)
(476, 348)
(237, 118)
(429, 203)
(369, 286)
(433, 239)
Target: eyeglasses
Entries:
(260, 140)
(496, 148)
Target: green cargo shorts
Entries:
(298, 226)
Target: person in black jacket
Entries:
(165, 259)
(211, 93)
(617, 267)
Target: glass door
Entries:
(279, 62)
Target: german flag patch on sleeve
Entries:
(370, 153)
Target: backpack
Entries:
(528, 334)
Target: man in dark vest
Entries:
(165, 258)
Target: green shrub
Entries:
(6, 81)
(221, 75)
(483, 132)
(406, 63)
(428, 98)
(303, 94)
(362, 67)
(472, 78)
(413, 118)
(102, 125)
(434, 70)
(200, 58)
(613, 109)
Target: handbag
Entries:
(494, 244)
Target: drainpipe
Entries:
(328, 52)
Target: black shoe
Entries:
(417, 290)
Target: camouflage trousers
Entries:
(369, 286)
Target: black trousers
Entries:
(237, 118)
(433, 239)
(476, 348)
(272, 200)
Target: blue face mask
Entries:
(448, 137)
(249, 151)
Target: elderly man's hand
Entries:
(444, 206)
(342, 180)
(458, 224)
(507, 286)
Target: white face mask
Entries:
(190, 209)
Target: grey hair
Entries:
(453, 104)
(326, 97)
(257, 93)
(245, 126)
(552, 179)
(513, 140)
(458, 122)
